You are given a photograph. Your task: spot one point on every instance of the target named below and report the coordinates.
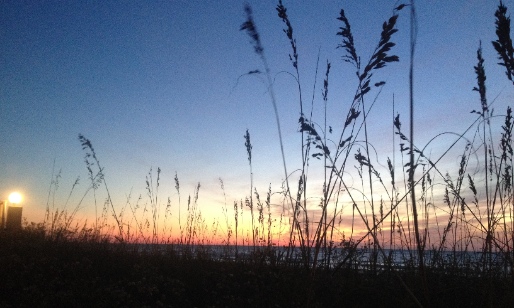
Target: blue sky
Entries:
(156, 84)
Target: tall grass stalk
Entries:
(419, 244)
(225, 214)
(250, 28)
(90, 153)
(177, 187)
(153, 194)
(249, 200)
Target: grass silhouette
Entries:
(446, 237)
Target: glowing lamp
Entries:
(15, 198)
(14, 211)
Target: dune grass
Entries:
(433, 238)
(38, 271)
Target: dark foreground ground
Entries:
(37, 272)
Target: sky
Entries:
(163, 84)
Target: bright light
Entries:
(15, 198)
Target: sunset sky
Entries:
(161, 84)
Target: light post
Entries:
(13, 221)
